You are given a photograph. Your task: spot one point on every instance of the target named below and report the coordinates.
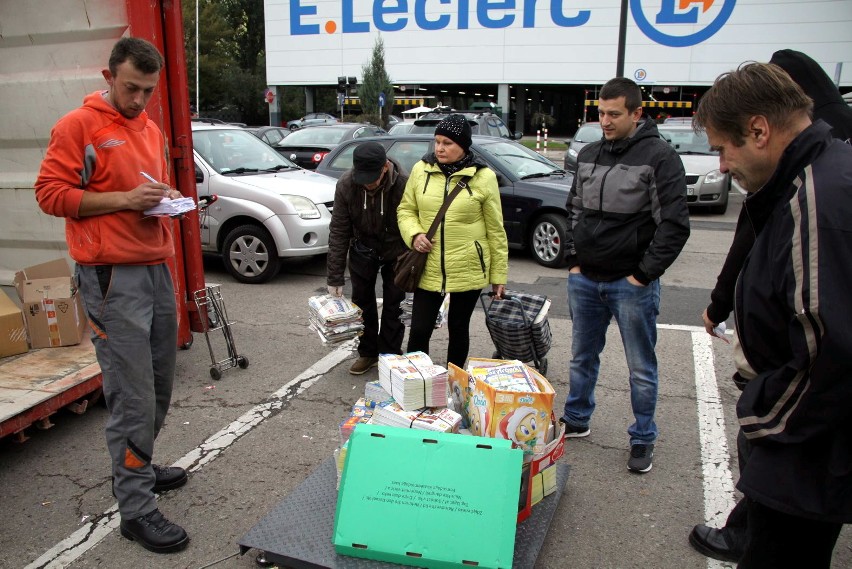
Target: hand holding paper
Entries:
(719, 332)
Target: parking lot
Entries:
(252, 437)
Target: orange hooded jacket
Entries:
(96, 149)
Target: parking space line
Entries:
(90, 534)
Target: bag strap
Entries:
(460, 185)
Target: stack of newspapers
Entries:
(407, 306)
(510, 375)
(413, 380)
(430, 418)
(334, 318)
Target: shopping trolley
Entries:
(519, 327)
(214, 317)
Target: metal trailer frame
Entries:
(214, 317)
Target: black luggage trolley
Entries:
(516, 329)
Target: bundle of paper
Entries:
(375, 393)
(511, 376)
(413, 380)
(428, 419)
(334, 318)
(407, 306)
(361, 412)
(171, 208)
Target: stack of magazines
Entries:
(375, 393)
(407, 306)
(429, 419)
(507, 376)
(413, 380)
(361, 412)
(334, 318)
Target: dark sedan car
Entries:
(588, 132)
(481, 122)
(533, 189)
(308, 146)
(271, 135)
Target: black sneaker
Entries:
(168, 477)
(155, 533)
(572, 432)
(641, 457)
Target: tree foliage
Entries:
(232, 58)
(375, 80)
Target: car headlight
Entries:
(714, 177)
(303, 206)
(572, 152)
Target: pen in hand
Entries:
(151, 179)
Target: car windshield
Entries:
(317, 135)
(588, 133)
(237, 152)
(518, 159)
(687, 141)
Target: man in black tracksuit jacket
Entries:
(364, 228)
(792, 307)
(629, 222)
(728, 543)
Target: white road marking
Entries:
(717, 478)
(72, 547)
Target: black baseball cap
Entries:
(367, 162)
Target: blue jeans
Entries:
(592, 305)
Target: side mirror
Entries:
(518, 135)
(199, 176)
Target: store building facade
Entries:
(546, 56)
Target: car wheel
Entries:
(547, 240)
(250, 254)
(294, 127)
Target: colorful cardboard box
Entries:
(427, 499)
(522, 417)
(13, 331)
(539, 473)
(51, 304)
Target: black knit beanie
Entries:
(456, 128)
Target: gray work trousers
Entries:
(132, 313)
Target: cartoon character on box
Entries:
(522, 427)
(478, 411)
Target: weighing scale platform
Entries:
(297, 533)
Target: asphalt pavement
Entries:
(250, 438)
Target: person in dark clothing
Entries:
(629, 222)
(728, 543)
(794, 355)
(364, 229)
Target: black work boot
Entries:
(155, 533)
(168, 477)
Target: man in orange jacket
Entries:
(95, 175)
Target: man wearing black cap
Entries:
(364, 228)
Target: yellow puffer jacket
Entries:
(469, 249)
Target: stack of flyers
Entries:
(373, 392)
(428, 419)
(511, 376)
(407, 306)
(413, 380)
(361, 412)
(334, 318)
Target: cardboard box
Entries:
(427, 499)
(539, 474)
(13, 331)
(51, 304)
(522, 417)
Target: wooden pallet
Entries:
(35, 385)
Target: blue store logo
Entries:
(675, 13)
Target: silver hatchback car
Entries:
(706, 185)
(266, 207)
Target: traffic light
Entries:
(353, 81)
(341, 84)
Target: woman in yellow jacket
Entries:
(469, 249)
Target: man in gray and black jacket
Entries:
(629, 222)
(364, 229)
